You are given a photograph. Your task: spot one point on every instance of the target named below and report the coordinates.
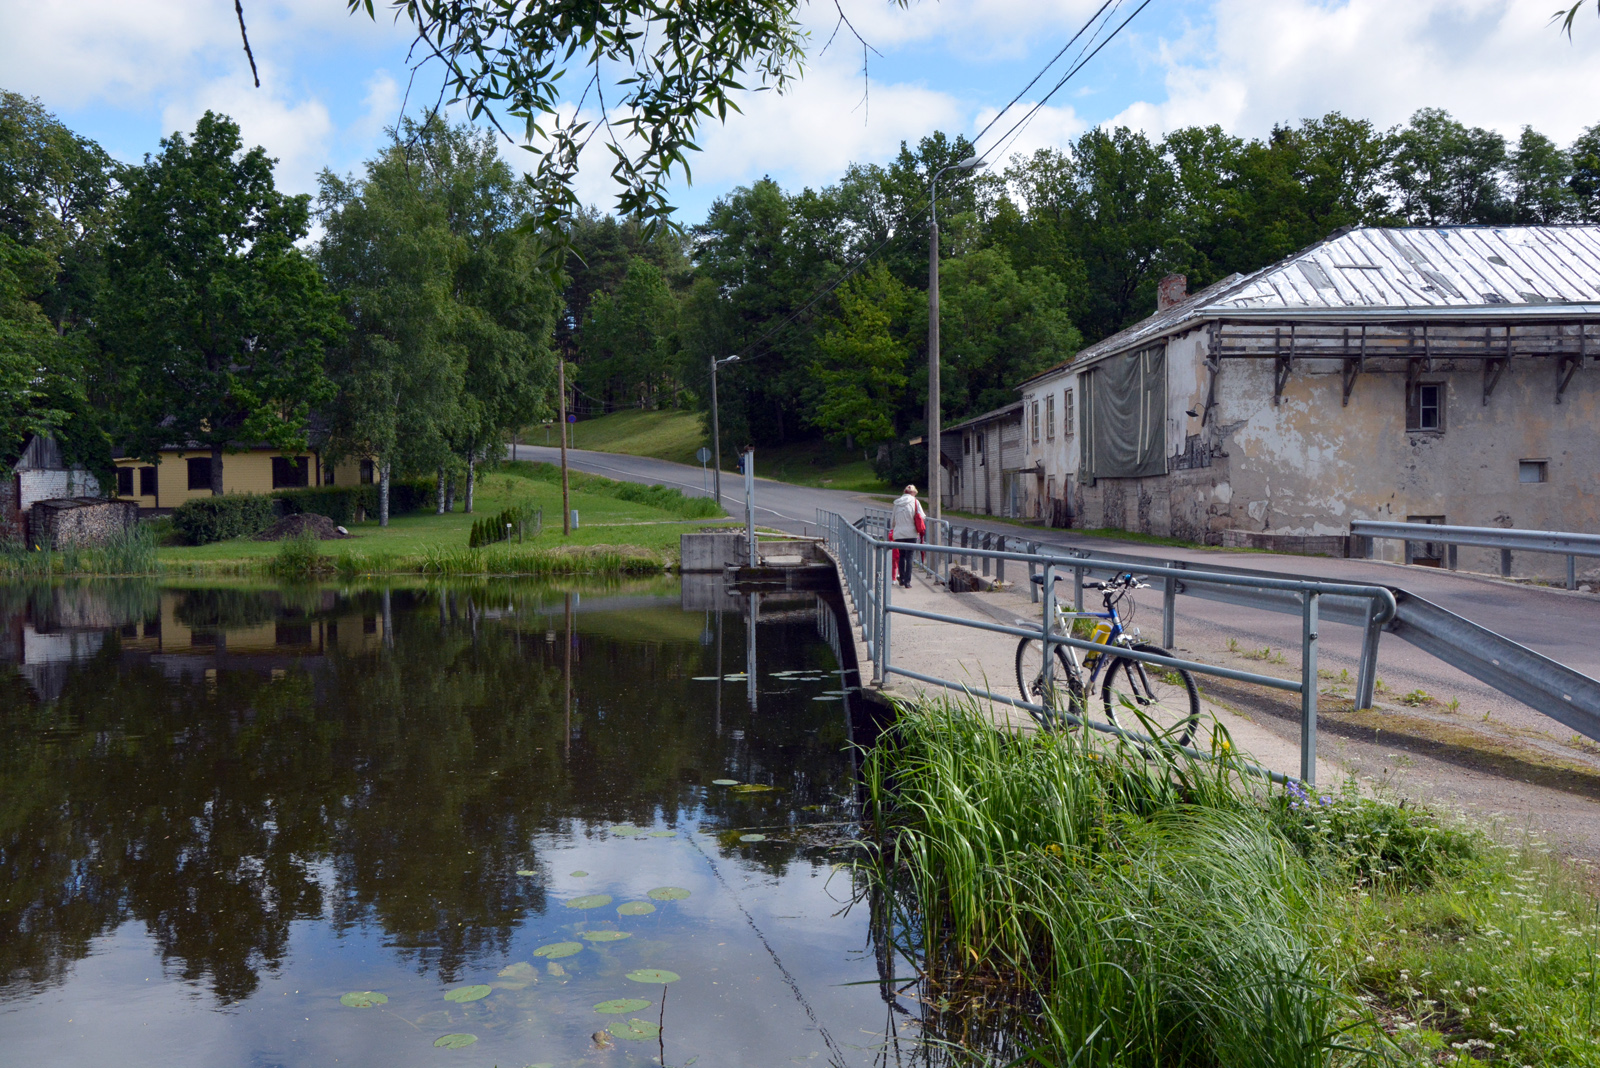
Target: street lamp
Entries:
(716, 432)
(968, 164)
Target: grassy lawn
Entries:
(668, 435)
(678, 435)
(604, 520)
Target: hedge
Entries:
(208, 519)
(340, 503)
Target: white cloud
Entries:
(1494, 63)
(295, 132)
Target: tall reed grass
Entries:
(131, 552)
(1133, 911)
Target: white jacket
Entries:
(903, 523)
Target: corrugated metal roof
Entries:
(1398, 272)
(1446, 267)
(990, 416)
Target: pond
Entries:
(502, 824)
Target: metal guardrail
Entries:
(1560, 543)
(864, 563)
(1565, 695)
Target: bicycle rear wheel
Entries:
(1064, 690)
(1166, 698)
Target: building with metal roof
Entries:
(1429, 374)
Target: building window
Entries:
(1533, 471)
(1066, 414)
(980, 447)
(327, 474)
(1050, 488)
(366, 472)
(1425, 412)
(199, 472)
(1034, 414)
(1050, 417)
(147, 482)
(966, 444)
(124, 482)
(291, 472)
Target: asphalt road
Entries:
(1562, 625)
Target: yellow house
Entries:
(184, 474)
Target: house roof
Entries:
(986, 417)
(41, 452)
(1398, 273)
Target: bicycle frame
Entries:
(1118, 633)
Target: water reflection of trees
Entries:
(400, 787)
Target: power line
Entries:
(1053, 60)
(1072, 71)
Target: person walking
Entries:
(908, 523)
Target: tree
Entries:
(1585, 181)
(1446, 173)
(863, 360)
(216, 321)
(57, 194)
(450, 316)
(1541, 175)
(998, 328)
(629, 340)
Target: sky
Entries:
(128, 72)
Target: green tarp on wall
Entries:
(1125, 416)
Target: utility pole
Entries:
(932, 436)
(566, 504)
(716, 431)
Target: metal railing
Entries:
(1560, 543)
(864, 566)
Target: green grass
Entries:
(647, 527)
(678, 435)
(1069, 902)
(668, 435)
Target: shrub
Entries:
(498, 528)
(343, 503)
(338, 503)
(298, 557)
(208, 519)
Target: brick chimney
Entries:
(1173, 289)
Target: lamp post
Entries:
(968, 164)
(716, 432)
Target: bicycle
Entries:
(1165, 699)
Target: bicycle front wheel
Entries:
(1150, 699)
(1062, 692)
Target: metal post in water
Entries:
(1308, 689)
(750, 502)
(750, 653)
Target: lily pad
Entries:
(526, 871)
(753, 788)
(580, 875)
(555, 969)
(618, 1006)
(589, 901)
(638, 1030)
(752, 838)
(827, 697)
(363, 999)
(668, 893)
(557, 950)
(519, 971)
(656, 976)
(457, 1041)
(463, 994)
(605, 936)
(636, 908)
(663, 834)
(706, 678)
(625, 830)
(724, 782)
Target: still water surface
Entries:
(223, 810)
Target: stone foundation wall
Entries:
(1337, 545)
